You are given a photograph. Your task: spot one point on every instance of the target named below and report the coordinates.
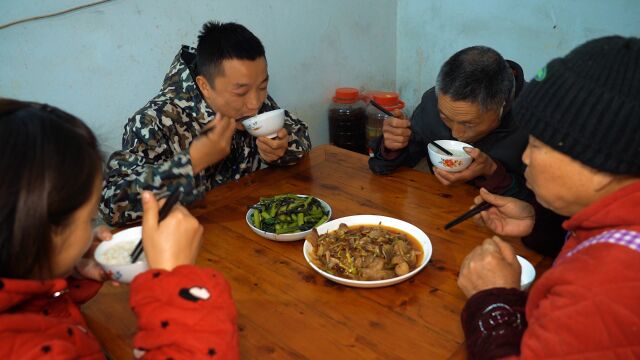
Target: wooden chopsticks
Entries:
(164, 211)
(471, 213)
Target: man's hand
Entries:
(482, 165)
(273, 149)
(213, 146)
(508, 216)
(490, 265)
(396, 131)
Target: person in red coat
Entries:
(49, 191)
(583, 160)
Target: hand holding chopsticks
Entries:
(469, 214)
(427, 140)
(509, 216)
(164, 211)
(205, 131)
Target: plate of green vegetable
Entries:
(287, 217)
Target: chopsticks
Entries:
(164, 211)
(380, 107)
(388, 113)
(237, 120)
(471, 213)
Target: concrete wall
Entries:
(103, 63)
(531, 32)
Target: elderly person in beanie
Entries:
(583, 161)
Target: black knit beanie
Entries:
(587, 105)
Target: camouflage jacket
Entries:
(155, 147)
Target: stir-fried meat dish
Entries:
(365, 252)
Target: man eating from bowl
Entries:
(164, 145)
(471, 102)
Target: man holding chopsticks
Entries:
(187, 137)
(471, 102)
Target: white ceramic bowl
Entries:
(124, 272)
(458, 162)
(265, 124)
(285, 237)
(418, 234)
(528, 273)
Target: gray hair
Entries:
(477, 74)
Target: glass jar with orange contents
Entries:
(347, 120)
(390, 101)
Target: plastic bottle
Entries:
(390, 101)
(347, 120)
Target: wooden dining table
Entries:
(286, 310)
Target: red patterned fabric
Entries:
(187, 313)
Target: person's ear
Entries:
(204, 86)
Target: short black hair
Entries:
(222, 41)
(54, 175)
(477, 74)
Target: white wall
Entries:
(530, 32)
(103, 63)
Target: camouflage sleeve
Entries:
(151, 159)
(299, 140)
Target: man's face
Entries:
(467, 121)
(239, 89)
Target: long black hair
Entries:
(49, 165)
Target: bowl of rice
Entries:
(115, 255)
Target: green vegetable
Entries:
(288, 213)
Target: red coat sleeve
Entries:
(185, 313)
(584, 307)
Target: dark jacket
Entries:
(504, 145)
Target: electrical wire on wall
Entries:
(39, 17)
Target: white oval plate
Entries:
(285, 237)
(418, 234)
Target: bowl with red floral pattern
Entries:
(459, 161)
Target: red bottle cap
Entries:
(346, 95)
(388, 99)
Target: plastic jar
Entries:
(390, 101)
(347, 120)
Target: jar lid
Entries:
(388, 99)
(346, 95)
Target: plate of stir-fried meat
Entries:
(367, 250)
